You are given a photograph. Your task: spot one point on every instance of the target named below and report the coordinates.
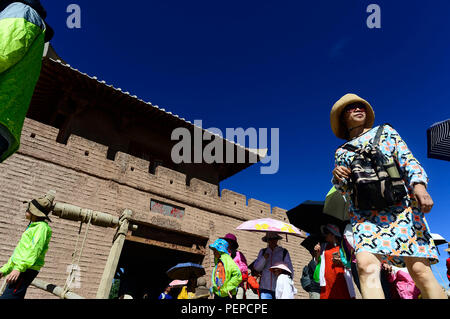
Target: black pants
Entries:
(356, 275)
(4, 145)
(19, 288)
(385, 284)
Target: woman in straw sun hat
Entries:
(29, 254)
(397, 233)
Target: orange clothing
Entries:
(253, 284)
(220, 275)
(336, 286)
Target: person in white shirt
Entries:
(285, 288)
(267, 258)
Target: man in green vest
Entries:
(23, 33)
(29, 254)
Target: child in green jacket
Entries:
(226, 276)
(29, 254)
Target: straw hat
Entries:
(270, 235)
(281, 266)
(338, 128)
(42, 207)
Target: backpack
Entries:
(376, 180)
(254, 271)
(305, 281)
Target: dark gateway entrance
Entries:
(147, 255)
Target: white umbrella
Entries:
(438, 141)
(438, 239)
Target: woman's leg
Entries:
(369, 267)
(240, 293)
(421, 273)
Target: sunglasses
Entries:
(353, 107)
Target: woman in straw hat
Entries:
(29, 254)
(398, 234)
(267, 258)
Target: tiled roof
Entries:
(144, 103)
(59, 80)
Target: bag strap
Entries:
(350, 147)
(284, 253)
(376, 140)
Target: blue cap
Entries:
(221, 245)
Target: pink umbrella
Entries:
(178, 283)
(266, 225)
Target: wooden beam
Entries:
(55, 290)
(114, 256)
(151, 242)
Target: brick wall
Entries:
(81, 175)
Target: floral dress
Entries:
(401, 230)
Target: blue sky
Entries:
(267, 64)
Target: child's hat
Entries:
(221, 245)
(281, 266)
(42, 207)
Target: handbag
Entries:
(375, 180)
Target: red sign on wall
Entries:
(166, 209)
